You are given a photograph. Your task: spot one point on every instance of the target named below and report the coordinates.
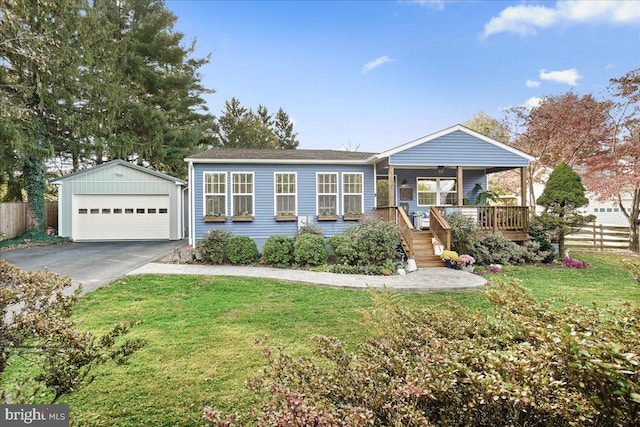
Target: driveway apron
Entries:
(91, 264)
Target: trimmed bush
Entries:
(278, 251)
(309, 249)
(374, 241)
(344, 249)
(522, 364)
(213, 245)
(463, 232)
(494, 248)
(241, 250)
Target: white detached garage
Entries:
(118, 200)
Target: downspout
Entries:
(192, 219)
(182, 203)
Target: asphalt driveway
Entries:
(91, 264)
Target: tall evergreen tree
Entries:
(36, 59)
(241, 127)
(561, 199)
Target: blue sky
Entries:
(377, 74)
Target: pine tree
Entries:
(562, 198)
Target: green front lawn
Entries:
(201, 334)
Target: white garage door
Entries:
(117, 217)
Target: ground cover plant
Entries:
(201, 332)
(525, 364)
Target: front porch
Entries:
(418, 184)
(511, 221)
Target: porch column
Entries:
(391, 187)
(524, 172)
(459, 185)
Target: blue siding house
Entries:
(262, 192)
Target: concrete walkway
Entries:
(423, 280)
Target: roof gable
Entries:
(116, 164)
(457, 145)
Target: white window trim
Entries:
(438, 190)
(276, 194)
(328, 194)
(361, 194)
(205, 194)
(253, 193)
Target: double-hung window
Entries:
(437, 191)
(327, 193)
(286, 193)
(215, 193)
(352, 193)
(242, 193)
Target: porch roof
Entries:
(456, 146)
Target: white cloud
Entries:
(528, 19)
(533, 83)
(609, 66)
(569, 76)
(369, 66)
(532, 102)
(433, 4)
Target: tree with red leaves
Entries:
(563, 128)
(613, 169)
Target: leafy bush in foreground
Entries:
(213, 245)
(37, 327)
(241, 250)
(525, 364)
(278, 251)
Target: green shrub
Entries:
(463, 232)
(309, 229)
(494, 248)
(278, 251)
(523, 364)
(538, 234)
(369, 270)
(309, 249)
(374, 240)
(241, 250)
(213, 245)
(344, 249)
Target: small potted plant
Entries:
(466, 262)
(450, 258)
(215, 217)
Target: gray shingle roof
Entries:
(248, 154)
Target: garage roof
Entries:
(122, 163)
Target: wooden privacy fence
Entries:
(598, 236)
(13, 218)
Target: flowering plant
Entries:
(449, 255)
(495, 268)
(466, 260)
(573, 263)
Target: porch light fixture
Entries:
(404, 184)
(440, 170)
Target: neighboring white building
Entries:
(609, 212)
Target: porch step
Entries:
(423, 250)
